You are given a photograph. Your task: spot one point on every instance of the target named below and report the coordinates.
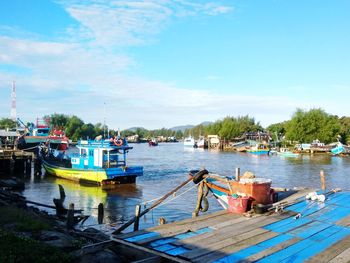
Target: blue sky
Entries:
(162, 63)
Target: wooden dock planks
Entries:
(320, 234)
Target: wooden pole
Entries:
(100, 213)
(238, 174)
(152, 206)
(137, 217)
(323, 181)
(70, 216)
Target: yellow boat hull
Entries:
(95, 176)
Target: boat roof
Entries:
(106, 144)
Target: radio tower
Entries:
(13, 102)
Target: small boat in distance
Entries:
(189, 141)
(101, 162)
(153, 142)
(285, 152)
(259, 148)
(338, 149)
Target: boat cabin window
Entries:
(83, 152)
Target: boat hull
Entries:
(117, 175)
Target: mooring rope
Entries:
(177, 196)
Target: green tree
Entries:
(306, 126)
(7, 123)
(73, 128)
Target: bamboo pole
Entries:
(152, 206)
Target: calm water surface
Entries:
(167, 165)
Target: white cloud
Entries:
(125, 23)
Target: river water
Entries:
(167, 165)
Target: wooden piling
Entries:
(238, 174)
(137, 217)
(100, 213)
(323, 181)
(70, 216)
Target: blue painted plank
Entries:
(325, 237)
(287, 224)
(162, 241)
(326, 233)
(287, 252)
(142, 236)
(247, 252)
(165, 248)
(335, 215)
(310, 229)
(177, 251)
(318, 247)
(194, 233)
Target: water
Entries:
(167, 165)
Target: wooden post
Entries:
(238, 174)
(137, 217)
(100, 213)
(62, 193)
(323, 181)
(70, 216)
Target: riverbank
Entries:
(28, 234)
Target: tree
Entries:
(73, 128)
(7, 123)
(306, 126)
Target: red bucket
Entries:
(238, 205)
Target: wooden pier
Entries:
(304, 231)
(17, 161)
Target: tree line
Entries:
(304, 127)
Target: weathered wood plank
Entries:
(344, 222)
(344, 257)
(230, 247)
(227, 232)
(332, 252)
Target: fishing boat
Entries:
(338, 149)
(201, 143)
(258, 148)
(189, 141)
(41, 133)
(230, 192)
(285, 152)
(153, 142)
(99, 162)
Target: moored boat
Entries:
(285, 152)
(98, 162)
(41, 133)
(259, 148)
(338, 149)
(153, 142)
(189, 141)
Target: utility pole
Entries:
(13, 102)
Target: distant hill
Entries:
(133, 129)
(185, 127)
(176, 128)
(181, 128)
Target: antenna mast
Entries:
(13, 102)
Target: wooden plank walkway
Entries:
(320, 234)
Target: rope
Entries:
(178, 195)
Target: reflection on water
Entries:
(167, 165)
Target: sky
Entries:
(164, 63)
